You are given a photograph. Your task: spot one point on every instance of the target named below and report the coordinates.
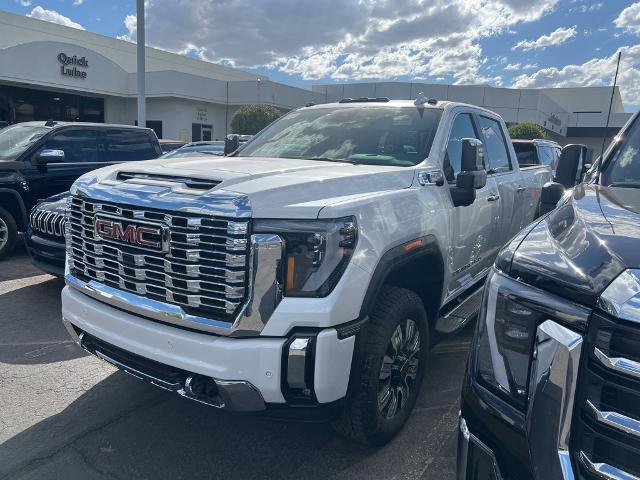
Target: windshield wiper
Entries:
(625, 184)
(327, 159)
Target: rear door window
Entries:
(526, 153)
(79, 145)
(129, 145)
(495, 145)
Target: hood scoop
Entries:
(191, 183)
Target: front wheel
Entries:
(386, 380)
(8, 233)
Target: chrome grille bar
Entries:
(604, 470)
(47, 222)
(616, 420)
(620, 365)
(205, 271)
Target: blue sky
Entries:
(523, 43)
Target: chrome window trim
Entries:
(554, 377)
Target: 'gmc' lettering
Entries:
(133, 234)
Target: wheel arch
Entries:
(11, 201)
(416, 265)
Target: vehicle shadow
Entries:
(31, 330)
(18, 265)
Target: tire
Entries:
(367, 417)
(8, 233)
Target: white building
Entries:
(51, 71)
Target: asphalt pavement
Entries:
(66, 415)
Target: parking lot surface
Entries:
(64, 414)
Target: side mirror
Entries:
(50, 156)
(568, 171)
(550, 195)
(473, 175)
(231, 144)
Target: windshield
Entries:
(15, 139)
(624, 167)
(394, 136)
(216, 149)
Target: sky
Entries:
(503, 43)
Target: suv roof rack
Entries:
(364, 99)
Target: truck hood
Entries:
(582, 245)
(276, 187)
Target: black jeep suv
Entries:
(552, 389)
(38, 160)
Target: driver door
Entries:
(472, 226)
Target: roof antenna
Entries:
(606, 128)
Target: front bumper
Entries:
(258, 363)
(46, 253)
(498, 441)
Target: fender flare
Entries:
(393, 258)
(19, 201)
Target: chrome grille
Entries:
(204, 272)
(47, 222)
(606, 430)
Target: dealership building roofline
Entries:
(54, 71)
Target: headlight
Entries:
(507, 325)
(317, 252)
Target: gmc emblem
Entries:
(139, 235)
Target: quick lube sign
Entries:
(71, 66)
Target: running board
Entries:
(460, 314)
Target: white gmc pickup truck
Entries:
(308, 271)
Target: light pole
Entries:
(142, 114)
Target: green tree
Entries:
(250, 119)
(527, 131)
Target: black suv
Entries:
(552, 389)
(38, 160)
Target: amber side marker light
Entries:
(291, 267)
(412, 245)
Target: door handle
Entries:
(521, 189)
(494, 197)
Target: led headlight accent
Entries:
(317, 252)
(622, 297)
(510, 315)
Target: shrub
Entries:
(527, 131)
(250, 119)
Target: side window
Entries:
(78, 145)
(495, 145)
(127, 145)
(546, 155)
(463, 127)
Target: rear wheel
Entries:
(8, 233)
(387, 377)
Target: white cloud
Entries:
(25, 3)
(629, 19)
(596, 72)
(339, 39)
(557, 37)
(520, 66)
(54, 17)
(78, 2)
